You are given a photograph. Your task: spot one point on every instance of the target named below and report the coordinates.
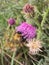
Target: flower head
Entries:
(28, 31)
(11, 21)
(28, 8)
(34, 46)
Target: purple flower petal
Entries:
(27, 30)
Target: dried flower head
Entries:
(34, 46)
(28, 31)
(11, 21)
(28, 8)
(10, 46)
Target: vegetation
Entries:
(14, 49)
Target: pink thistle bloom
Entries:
(28, 31)
(11, 21)
(28, 8)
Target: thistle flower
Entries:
(34, 46)
(28, 8)
(28, 31)
(11, 21)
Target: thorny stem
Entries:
(44, 17)
(39, 35)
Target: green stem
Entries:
(39, 34)
(2, 54)
(44, 18)
(12, 61)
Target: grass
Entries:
(13, 8)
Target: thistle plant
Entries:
(24, 32)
